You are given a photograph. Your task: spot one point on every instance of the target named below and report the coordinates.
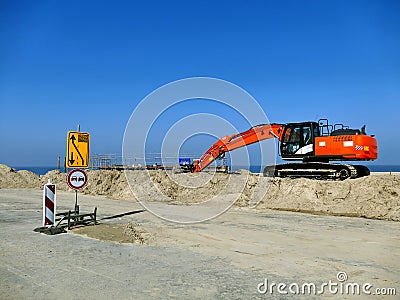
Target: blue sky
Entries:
(64, 63)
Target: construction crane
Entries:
(314, 143)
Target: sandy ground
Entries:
(132, 254)
(375, 196)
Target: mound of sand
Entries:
(375, 196)
(108, 183)
(188, 188)
(10, 178)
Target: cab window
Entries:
(307, 138)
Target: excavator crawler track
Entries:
(316, 170)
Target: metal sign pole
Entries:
(76, 203)
(76, 191)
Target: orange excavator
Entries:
(314, 143)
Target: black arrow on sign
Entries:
(76, 148)
(72, 160)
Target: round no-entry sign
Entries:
(77, 179)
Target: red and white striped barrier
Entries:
(49, 204)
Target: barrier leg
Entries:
(69, 220)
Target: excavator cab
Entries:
(298, 140)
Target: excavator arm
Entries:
(228, 143)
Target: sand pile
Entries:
(174, 188)
(10, 178)
(108, 183)
(189, 188)
(375, 196)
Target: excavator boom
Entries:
(228, 143)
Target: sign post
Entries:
(77, 179)
(77, 157)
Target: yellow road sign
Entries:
(77, 149)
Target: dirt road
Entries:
(225, 258)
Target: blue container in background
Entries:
(184, 161)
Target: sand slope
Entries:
(10, 178)
(375, 196)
